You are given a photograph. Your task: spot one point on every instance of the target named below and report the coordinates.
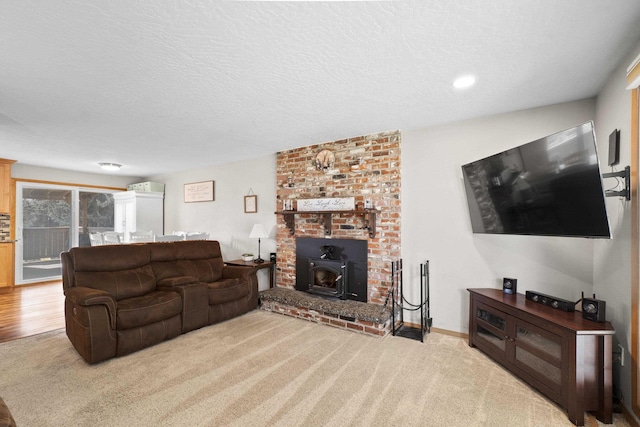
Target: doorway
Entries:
(51, 219)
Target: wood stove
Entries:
(334, 268)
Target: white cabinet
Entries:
(138, 211)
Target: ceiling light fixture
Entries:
(110, 166)
(464, 82)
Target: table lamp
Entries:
(258, 232)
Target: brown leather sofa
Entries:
(122, 298)
(6, 419)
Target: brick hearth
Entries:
(372, 319)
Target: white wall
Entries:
(612, 259)
(224, 218)
(436, 224)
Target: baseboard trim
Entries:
(441, 331)
(452, 333)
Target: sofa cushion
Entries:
(109, 257)
(226, 290)
(177, 281)
(165, 269)
(199, 259)
(197, 249)
(146, 309)
(163, 256)
(121, 270)
(205, 270)
(120, 284)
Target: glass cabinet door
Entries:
(491, 327)
(539, 353)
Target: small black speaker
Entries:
(509, 286)
(594, 309)
(272, 257)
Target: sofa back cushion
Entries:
(163, 260)
(200, 259)
(124, 271)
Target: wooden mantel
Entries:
(368, 214)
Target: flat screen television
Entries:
(548, 187)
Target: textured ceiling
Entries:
(166, 85)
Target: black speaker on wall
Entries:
(272, 257)
(614, 147)
(594, 309)
(509, 286)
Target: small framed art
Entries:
(251, 204)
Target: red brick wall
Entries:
(366, 168)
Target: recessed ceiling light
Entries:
(464, 82)
(110, 166)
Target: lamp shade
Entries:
(258, 232)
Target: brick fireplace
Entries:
(366, 168)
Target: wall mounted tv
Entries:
(548, 187)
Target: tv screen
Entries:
(548, 187)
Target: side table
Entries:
(258, 266)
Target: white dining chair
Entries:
(111, 238)
(141, 236)
(197, 236)
(96, 239)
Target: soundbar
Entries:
(553, 302)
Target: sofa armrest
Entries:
(86, 297)
(244, 274)
(239, 272)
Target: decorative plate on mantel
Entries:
(324, 160)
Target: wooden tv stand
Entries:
(562, 355)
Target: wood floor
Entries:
(30, 310)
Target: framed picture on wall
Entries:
(198, 192)
(251, 204)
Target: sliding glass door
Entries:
(51, 219)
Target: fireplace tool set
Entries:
(400, 304)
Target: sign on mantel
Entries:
(327, 204)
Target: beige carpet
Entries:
(265, 369)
